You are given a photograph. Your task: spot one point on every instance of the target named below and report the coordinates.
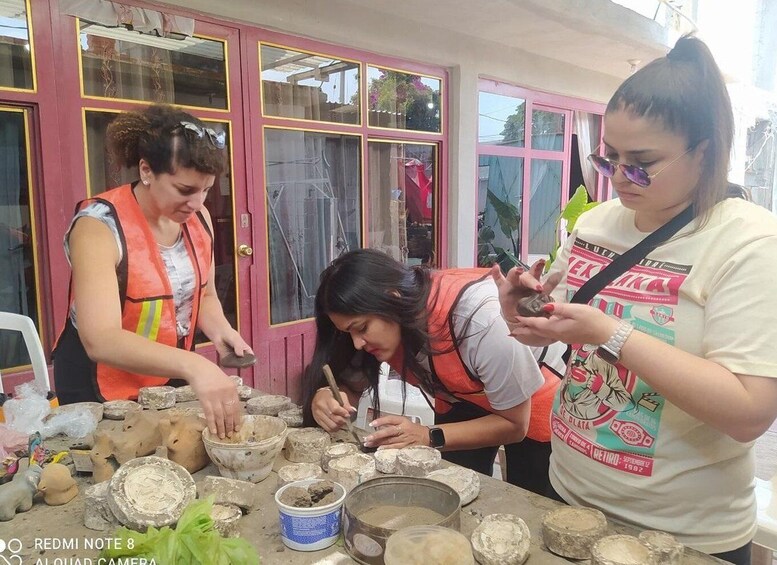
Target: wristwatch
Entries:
(436, 438)
(610, 351)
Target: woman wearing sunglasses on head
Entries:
(142, 273)
(686, 324)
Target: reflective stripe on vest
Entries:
(148, 307)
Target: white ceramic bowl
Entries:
(250, 454)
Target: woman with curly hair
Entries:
(142, 273)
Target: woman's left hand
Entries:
(572, 323)
(396, 432)
(231, 341)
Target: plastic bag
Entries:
(25, 412)
(71, 423)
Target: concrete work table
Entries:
(56, 535)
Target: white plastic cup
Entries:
(310, 529)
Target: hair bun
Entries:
(686, 49)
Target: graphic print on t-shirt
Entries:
(605, 411)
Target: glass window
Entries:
(15, 51)
(547, 130)
(403, 100)
(501, 120)
(18, 280)
(500, 197)
(305, 86)
(402, 219)
(544, 205)
(313, 184)
(118, 63)
(105, 173)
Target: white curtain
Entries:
(115, 14)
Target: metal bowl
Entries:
(365, 542)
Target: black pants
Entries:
(75, 375)
(527, 465)
(527, 461)
(739, 556)
(480, 459)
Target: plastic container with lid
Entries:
(421, 545)
(310, 528)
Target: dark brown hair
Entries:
(155, 134)
(685, 91)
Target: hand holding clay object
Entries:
(531, 306)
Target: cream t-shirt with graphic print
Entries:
(618, 445)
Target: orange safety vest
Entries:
(449, 370)
(148, 307)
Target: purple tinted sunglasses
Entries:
(637, 175)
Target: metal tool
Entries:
(330, 378)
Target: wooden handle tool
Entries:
(330, 378)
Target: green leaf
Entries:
(194, 541)
(507, 214)
(576, 205)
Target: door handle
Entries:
(244, 250)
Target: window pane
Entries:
(402, 100)
(500, 197)
(18, 288)
(103, 171)
(15, 53)
(547, 130)
(544, 205)
(119, 63)
(501, 120)
(105, 174)
(313, 213)
(302, 85)
(402, 201)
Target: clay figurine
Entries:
(56, 484)
(531, 306)
(139, 437)
(182, 436)
(16, 496)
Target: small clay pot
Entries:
(531, 306)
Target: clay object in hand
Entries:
(233, 361)
(531, 306)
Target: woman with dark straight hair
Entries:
(441, 331)
(673, 362)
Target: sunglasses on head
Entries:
(634, 174)
(218, 139)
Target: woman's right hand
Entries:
(328, 412)
(519, 284)
(217, 393)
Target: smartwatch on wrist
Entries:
(610, 351)
(436, 438)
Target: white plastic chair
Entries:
(23, 324)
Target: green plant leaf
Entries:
(194, 541)
(507, 214)
(576, 204)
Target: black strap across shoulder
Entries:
(628, 259)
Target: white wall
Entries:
(348, 23)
